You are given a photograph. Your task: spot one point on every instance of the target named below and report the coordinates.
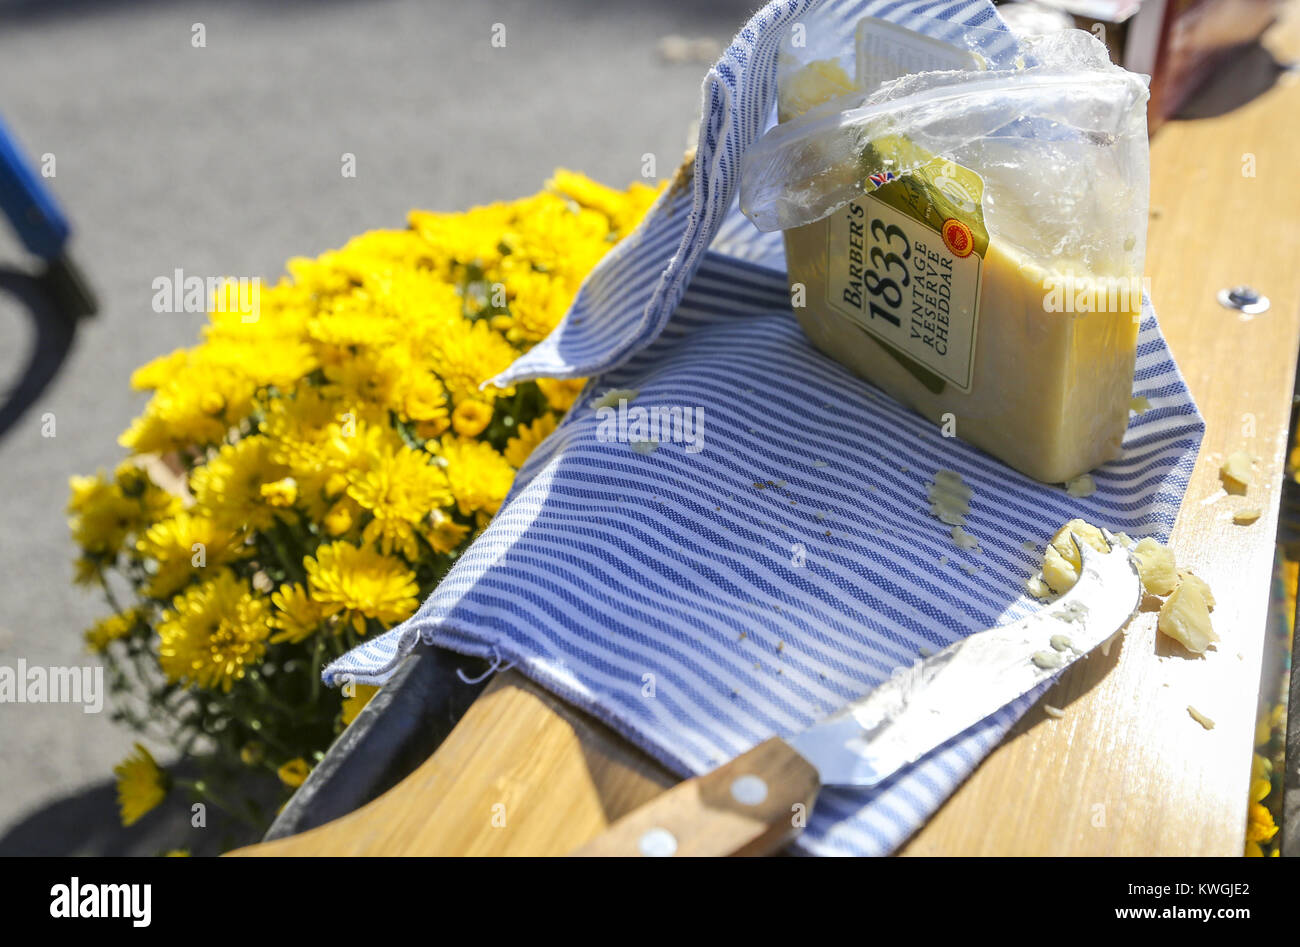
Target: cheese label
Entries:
(904, 264)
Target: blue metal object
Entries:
(28, 203)
(43, 229)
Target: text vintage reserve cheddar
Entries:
(912, 285)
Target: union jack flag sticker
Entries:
(880, 178)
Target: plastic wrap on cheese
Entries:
(970, 239)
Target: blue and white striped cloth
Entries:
(697, 614)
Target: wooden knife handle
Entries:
(750, 806)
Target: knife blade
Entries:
(753, 804)
(913, 712)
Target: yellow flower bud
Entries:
(339, 519)
(335, 485)
(294, 773)
(211, 402)
(471, 418)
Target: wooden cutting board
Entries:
(521, 774)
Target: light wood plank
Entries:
(1127, 771)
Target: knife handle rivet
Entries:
(749, 790)
(657, 843)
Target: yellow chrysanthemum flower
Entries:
(359, 583)
(356, 703)
(423, 399)
(282, 493)
(141, 785)
(623, 208)
(152, 501)
(525, 442)
(467, 354)
(561, 393)
(297, 615)
(398, 490)
(101, 515)
(538, 303)
(182, 546)
(479, 477)
(471, 418)
(1260, 826)
(445, 534)
(213, 632)
(113, 628)
(197, 405)
(342, 516)
(229, 486)
(294, 773)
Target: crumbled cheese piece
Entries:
(1081, 486)
(1247, 515)
(1048, 659)
(1061, 562)
(611, 398)
(949, 497)
(1156, 567)
(1200, 718)
(1235, 473)
(644, 447)
(817, 82)
(1185, 618)
(820, 463)
(1037, 587)
(1051, 711)
(1139, 404)
(1061, 643)
(963, 539)
(1201, 586)
(1029, 546)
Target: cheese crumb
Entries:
(1185, 617)
(1047, 660)
(644, 447)
(1139, 404)
(1156, 567)
(963, 539)
(611, 398)
(1051, 711)
(1235, 473)
(1246, 516)
(949, 497)
(1037, 587)
(1201, 586)
(1081, 486)
(1061, 562)
(1200, 718)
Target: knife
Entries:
(757, 802)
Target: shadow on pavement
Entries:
(55, 331)
(87, 824)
